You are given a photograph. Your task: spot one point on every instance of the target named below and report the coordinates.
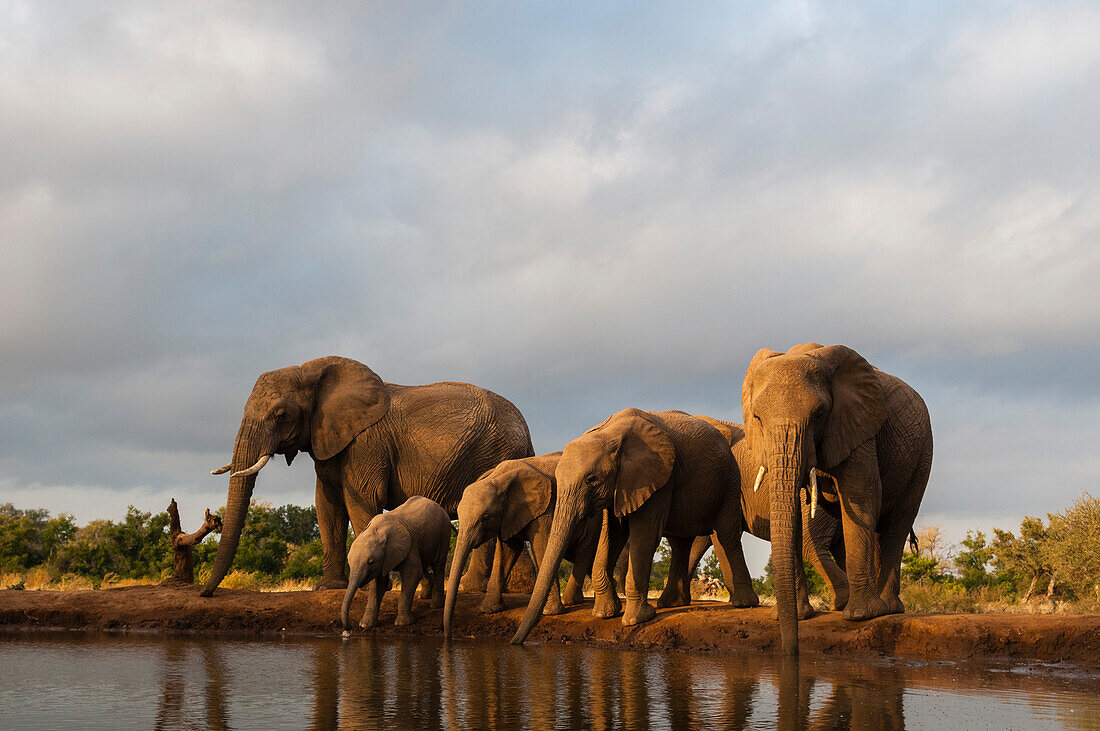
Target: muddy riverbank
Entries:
(704, 627)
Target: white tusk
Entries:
(254, 468)
(813, 492)
(222, 470)
(759, 478)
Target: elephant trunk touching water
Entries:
(786, 469)
(464, 546)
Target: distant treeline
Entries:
(277, 544)
(1057, 559)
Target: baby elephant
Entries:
(514, 502)
(413, 540)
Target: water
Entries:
(80, 680)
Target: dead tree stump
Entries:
(183, 564)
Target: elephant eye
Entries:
(592, 480)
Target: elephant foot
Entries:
(490, 605)
(639, 613)
(404, 620)
(334, 582)
(606, 607)
(839, 601)
(672, 599)
(552, 609)
(806, 610)
(437, 602)
(859, 609)
(744, 597)
(368, 622)
(893, 605)
(572, 595)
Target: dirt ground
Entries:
(704, 627)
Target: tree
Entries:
(29, 537)
(1073, 548)
(1024, 558)
(972, 560)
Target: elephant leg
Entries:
(505, 559)
(646, 527)
(375, 590)
(439, 582)
(698, 549)
(613, 536)
(735, 572)
(582, 566)
(891, 546)
(332, 520)
(677, 591)
(476, 577)
(411, 571)
(859, 511)
(817, 534)
(553, 601)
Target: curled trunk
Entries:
(566, 518)
(463, 549)
(250, 446)
(786, 470)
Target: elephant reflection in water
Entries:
(365, 685)
(863, 697)
(172, 711)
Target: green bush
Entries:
(29, 537)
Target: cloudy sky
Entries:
(582, 206)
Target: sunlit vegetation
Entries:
(1043, 566)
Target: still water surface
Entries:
(77, 680)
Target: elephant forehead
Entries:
(584, 452)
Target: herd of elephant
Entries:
(831, 462)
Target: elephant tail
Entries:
(913, 541)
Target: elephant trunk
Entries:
(567, 516)
(464, 546)
(354, 582)
(787, 464)
(252, 444)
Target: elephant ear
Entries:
(753, 433)
(398, 544)
(646, 456)
(527, 497)
(859, 406)
(349, 398)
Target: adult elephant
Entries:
(656, 473)
(822, 539)
(824, 414)
(374, 445)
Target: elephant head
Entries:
(317, 407)
(374, 553)
(500, 504)
(617, 465)
(804, 409)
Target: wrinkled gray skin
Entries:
(514, 502)
(655, 473)
(822, 539)
(373, 444)
(828, 408)
(413, 540)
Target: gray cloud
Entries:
(578, 207)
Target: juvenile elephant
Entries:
(373, 444)
(822, 538)
(412, 539)
(821, 416)
(514, 502)
(656, 473)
